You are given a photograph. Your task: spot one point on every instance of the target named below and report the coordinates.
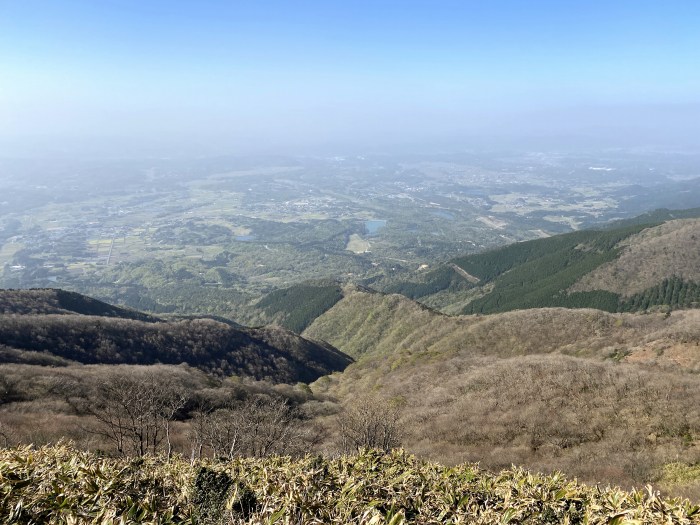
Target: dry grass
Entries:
(61, 485)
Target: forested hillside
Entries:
(215, 347)
(39, 301)
(626, 268)
(296, 307)
(599, 395)
(395, 329)
(669, 251)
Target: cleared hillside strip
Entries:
(467, 276)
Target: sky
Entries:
(157, 77)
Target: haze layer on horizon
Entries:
(125, 77)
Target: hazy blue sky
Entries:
(212, 76)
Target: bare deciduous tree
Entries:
(5, 435)
(257, 427)
(8, 389)
(135, 412)
(370, 422)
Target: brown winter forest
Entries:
(604, 397)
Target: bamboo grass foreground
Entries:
(61, 485)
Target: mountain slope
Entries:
(598, 395)
(394, 329)
(57, 301)
(296, 307)
(215, 347)
(657, 216)
(669, 250)
(626, 268)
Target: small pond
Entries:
(245, 238)
(373, 226)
